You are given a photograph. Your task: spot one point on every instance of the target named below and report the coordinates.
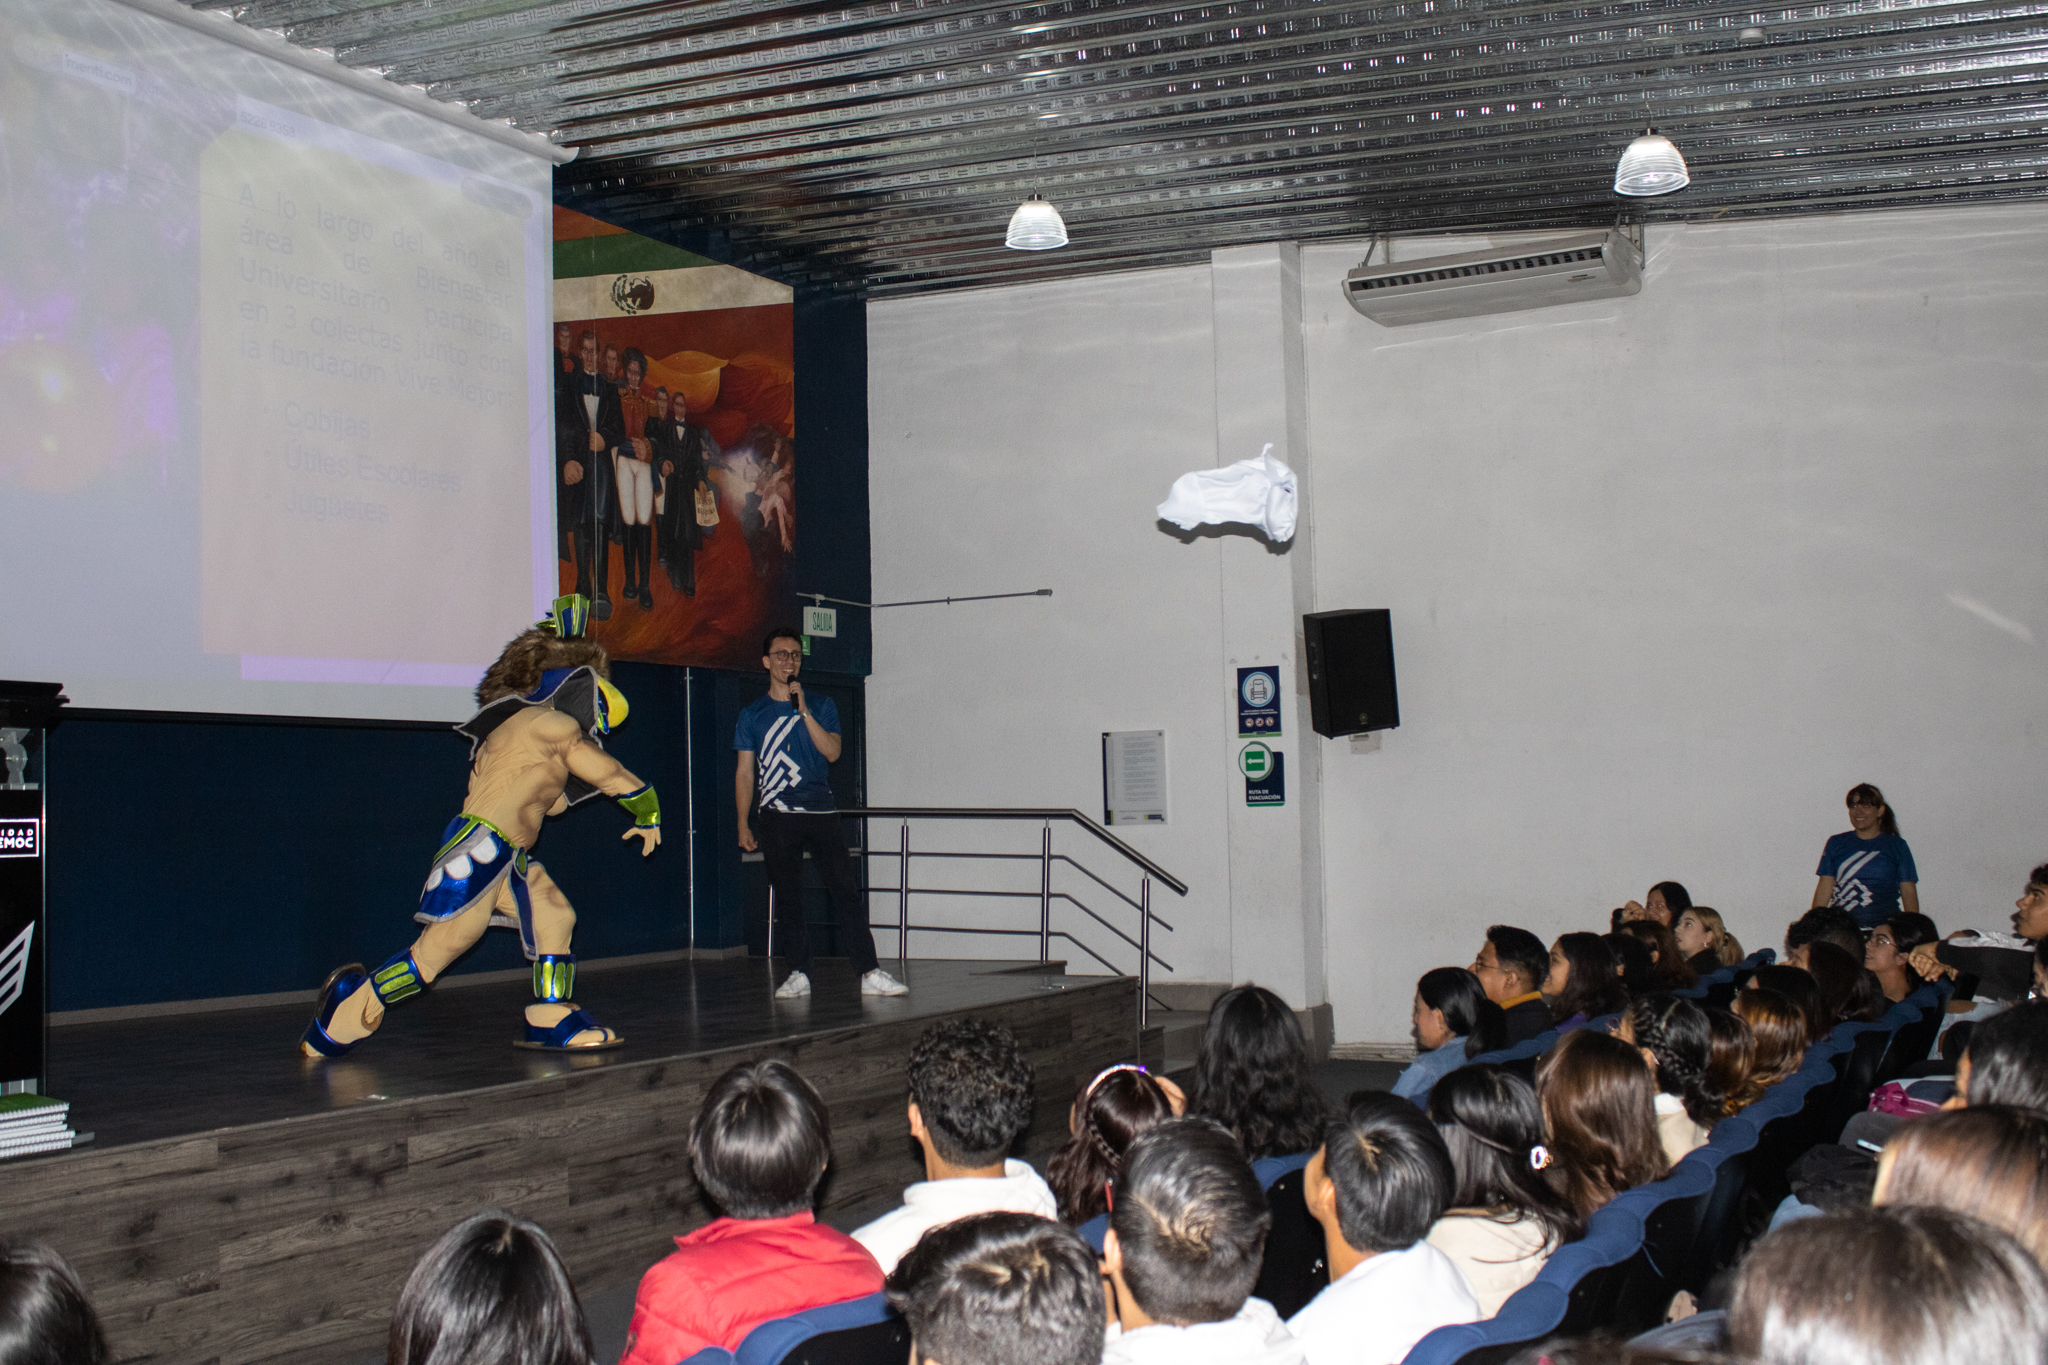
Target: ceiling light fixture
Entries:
(1036, 226)
(1651, 165)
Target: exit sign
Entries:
(821, 621)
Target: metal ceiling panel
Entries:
(879, 146)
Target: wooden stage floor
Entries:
(242, 1203)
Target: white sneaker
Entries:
(879, 982)
(794, 985)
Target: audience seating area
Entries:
(1655, 1240)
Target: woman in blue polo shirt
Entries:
(1868, 869)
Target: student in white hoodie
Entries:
(1382, 1177)
(1187, 1232)
(970, 1100)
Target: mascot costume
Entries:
(535, 750)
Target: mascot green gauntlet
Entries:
(536, 749)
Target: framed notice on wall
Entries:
(1134, 777)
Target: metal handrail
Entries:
(1150, 870)
(1019, 813)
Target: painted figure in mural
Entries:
(634, 462)
(589, 427)
(536, 749)
(683, 453)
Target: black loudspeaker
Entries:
(1350, 672)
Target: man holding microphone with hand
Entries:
(785, 749)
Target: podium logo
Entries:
(21, 838)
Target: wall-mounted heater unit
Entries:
(1584, 265)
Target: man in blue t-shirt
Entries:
(785, 749)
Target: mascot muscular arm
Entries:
(536, 749)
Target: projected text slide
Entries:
(363, 405)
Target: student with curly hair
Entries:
(1253, 1075)
(970, 1100)
(1677, 1044)
(1108, 1114)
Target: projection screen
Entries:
(273, 353)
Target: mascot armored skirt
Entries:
(536, 749)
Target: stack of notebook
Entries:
(34, 1123)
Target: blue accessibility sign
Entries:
(1258, 701)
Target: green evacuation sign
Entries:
(1265, 781)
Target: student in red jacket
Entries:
(759, 1147)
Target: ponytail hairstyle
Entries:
(1727, 948)
(1888, 823)
(1467, 1011)
(1109, 1112)
(1678, 1035)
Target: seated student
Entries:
(970, 1100)
(45, 1318)
(1504, 1219)
(1797, 985)
(1904, 1286)
(1633, 965)
(1888, 954)
(1823, 924)
(1703, 936)
(2004, 1061)
(1676, 1041)
(493, 1291)
(758, 1148)
(1988, 1161)
(1780, 1028)
(1599, 1119)
(1110, 1111)
(2000, 962)
(1253, 1075)
(1581, 985)
(1000, 1289)
(1668, 966)
(1452, 1021)
(1664, 903)
(1377, 1185)
(1849, 991)
(1731, 1061)
(1511, 966)
(1187, 1233)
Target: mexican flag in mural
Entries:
(675, 446)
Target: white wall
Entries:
(1020, 439)
(1631, 645)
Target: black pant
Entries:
(785, 835)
